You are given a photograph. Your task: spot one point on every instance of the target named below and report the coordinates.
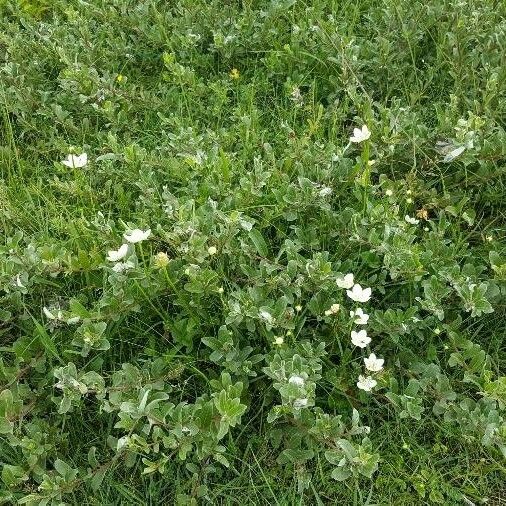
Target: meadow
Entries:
(253, 252)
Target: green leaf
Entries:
(341, 473)
(13, 475)
(348, 449)
(261, 246)
(46, 340)
(98, 478)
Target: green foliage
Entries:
(175, 309)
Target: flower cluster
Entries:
(360, 338)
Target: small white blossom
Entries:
(137, 235)
(212, 250)
(373, 363)
(409, 200)
(360, 318)
(296, 96)
(325, 191)
(334, 309)
(117, 255)
(359, 294)
(389, 193)
(360, 338)
(221, 290)
(279, 341)
(345, 281)
(296, 380)
(360, 134)
(300, 403)
(298, 308)
(366, 383)
(76, 161)
(412, 221)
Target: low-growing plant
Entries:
(216, 234)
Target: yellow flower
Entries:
(161, 259)
(234, 74)
(119, 78)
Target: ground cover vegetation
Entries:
(253, 252)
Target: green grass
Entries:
(178, 144)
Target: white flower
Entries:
(48, 313)
(119, 254)
(359, 294)
(389, 193)
(409, 200)
(373, 363)
(221, 289)
(366, 383)
(360, 318)
(212, 250)
(122, 266)
(360, 134)
(76, 161)
(279, 341)
(325, 191)
(360, 338)
(296, 95)
(300, 403)
(298, 308)
(137, 235)
(296, 380)
(345, 281)
(334, 309)
(412, 221)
